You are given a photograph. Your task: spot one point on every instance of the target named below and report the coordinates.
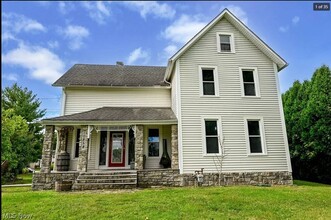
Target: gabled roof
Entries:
(112, 75)
(117, 114)
(281, 63)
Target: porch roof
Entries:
(117, 115)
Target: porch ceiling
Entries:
(117, 115)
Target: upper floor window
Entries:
(255, 136)
(208, 78)
(225, 42)
(249, 78)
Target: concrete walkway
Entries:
(16, 185)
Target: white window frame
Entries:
(160, 140)
(201, 67)
(256, 81)
(218, 41)
(262, 134)
(219, 136)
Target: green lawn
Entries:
(305, 200)
(22, 179)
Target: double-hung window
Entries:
(212, 137)
(249, 78)
(225, 42)
(209, 82)
(153, 143)
(255, 136)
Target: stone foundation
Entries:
(44, 181)
(171, 177)
(160, 177)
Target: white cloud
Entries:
(138, 54)
(145, 8)
(170, 50)
(284, 29)
(75, 34)
(98, 11)
(66, 7)
(238, 12)
(295, 20)
(10, 77)
(183, 29)
(13, 24)
(41, 63)
(53, 44)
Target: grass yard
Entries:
(22, 179)
(304, 201)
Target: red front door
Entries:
(117, 149)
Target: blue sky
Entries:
(42, 40)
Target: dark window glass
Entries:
(248, 76)
(208, 82)
(249, 85)
(208, 88)
(212, 144)
(211, 127)
(208, 75)
(103, 148)
(249, 89)
(153, 142)
(77, 143)
(254, 136)
(225, 43)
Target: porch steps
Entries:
(106, 180)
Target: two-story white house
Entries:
(216, 105)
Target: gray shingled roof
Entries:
(112, 75)
(119, 114)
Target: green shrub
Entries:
(25, 170)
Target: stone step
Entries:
(99, 186)
(112, 176)
(108, 173)
(131, 180)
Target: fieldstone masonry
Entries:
(174, 147)
(46, 181)
(47, 150)
(83, 144)
(139, 147)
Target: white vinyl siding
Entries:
(85, 99)
(174, 96)
(229, 105)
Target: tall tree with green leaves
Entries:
(26, 104)
(307, 109)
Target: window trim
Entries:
(262, 134)
(216, 85)
(160, 141)
(219, 135)
(256, 82)
(218, 41)
(73, 149)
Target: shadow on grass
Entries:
(306, 183)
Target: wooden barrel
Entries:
(63, 161)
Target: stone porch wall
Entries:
(171, 178)
(45, 181)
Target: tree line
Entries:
(307, 110)
(21, 133)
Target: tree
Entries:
(14, 141)
(24, 103)
(307, 109)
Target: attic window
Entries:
(225, 42)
